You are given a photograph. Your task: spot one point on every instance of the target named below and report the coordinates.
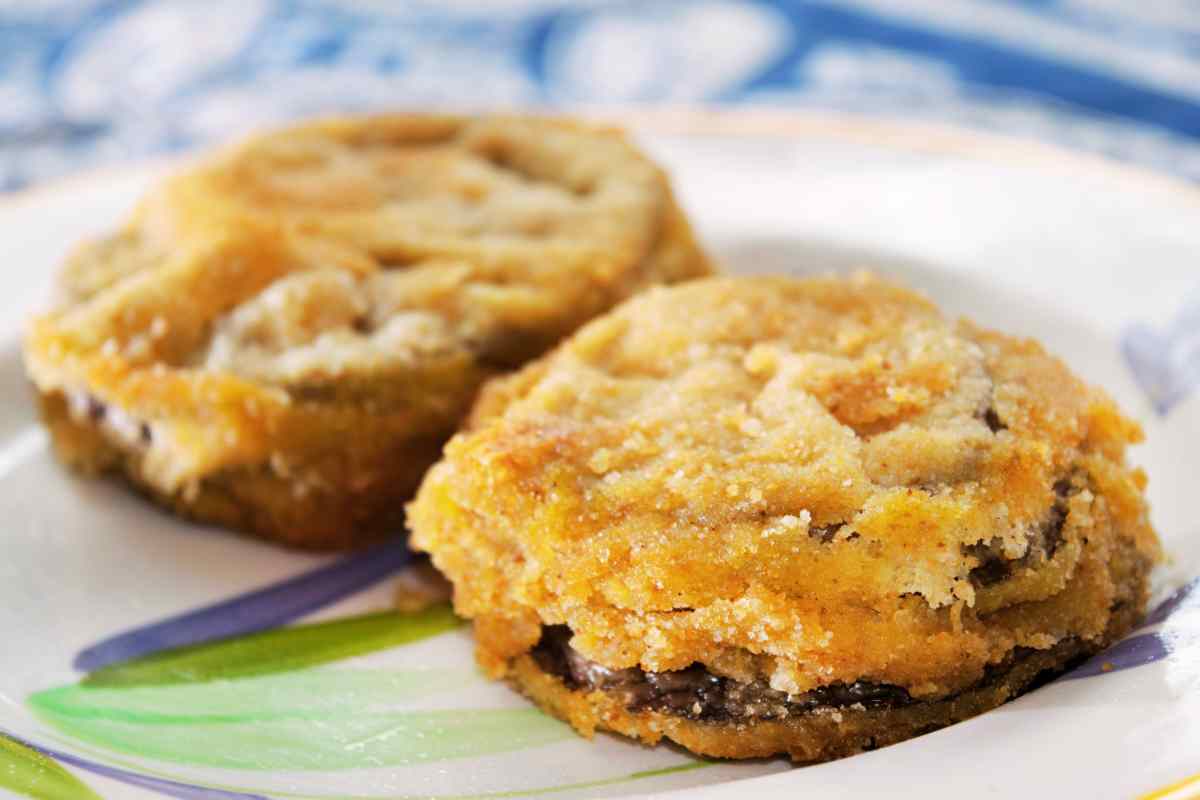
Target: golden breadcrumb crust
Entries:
(282, 336)
(797, 481)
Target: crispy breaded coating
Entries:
(793, 493)
(282, 337)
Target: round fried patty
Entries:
(800, 489)
(282, 337)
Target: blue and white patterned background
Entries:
(90, 82)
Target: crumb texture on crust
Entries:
(342, 287)
(800, 482)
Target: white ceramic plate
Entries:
(1100, 263)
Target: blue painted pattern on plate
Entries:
(86, 82)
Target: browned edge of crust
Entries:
(824, 734)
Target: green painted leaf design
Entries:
(249, 703)
(309, 742)
(307, 693)
(29, 773)
(277, 650)
(320, 719)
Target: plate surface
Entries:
(1099, 263)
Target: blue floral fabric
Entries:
(89, 82)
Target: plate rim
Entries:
(890, 132)
(894, 134)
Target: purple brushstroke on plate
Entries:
(184, 791)
(1166, 362)
(1144, 648)
(258, 610)
(1135, 651)
(1167, 607)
